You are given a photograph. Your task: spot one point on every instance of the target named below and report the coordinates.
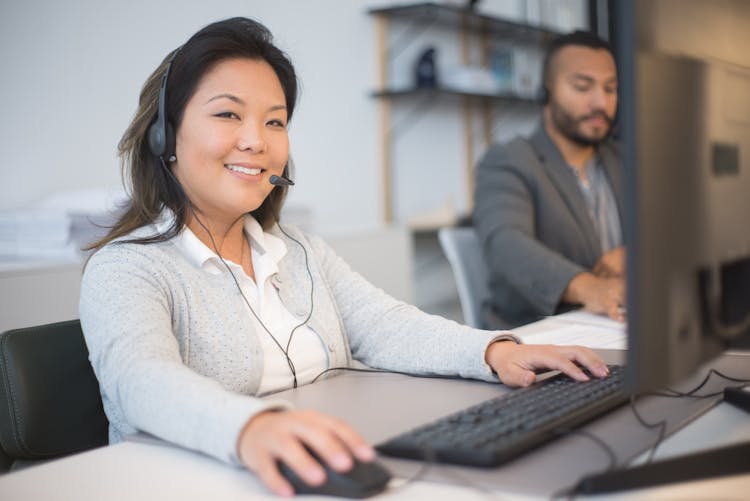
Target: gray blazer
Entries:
(534, 227)
(177, 355)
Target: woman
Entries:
(198, 301)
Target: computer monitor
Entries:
(685, 130)
(684, 124)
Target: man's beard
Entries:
(567, 124)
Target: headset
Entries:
(543, 95)
(161, 143)
(161, 140)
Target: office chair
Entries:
(461, 247)
(50, 404)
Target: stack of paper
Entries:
(580, 328)
(58, 227)
(34, 233)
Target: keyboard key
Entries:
(498, 430)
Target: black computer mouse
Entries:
(363, 480)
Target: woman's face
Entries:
(232, 138)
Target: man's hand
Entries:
(598, 294)
(611, 264)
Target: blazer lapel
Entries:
(563, 178)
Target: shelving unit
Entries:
(472, 27)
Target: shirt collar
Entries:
(267, 250)
(267, 246)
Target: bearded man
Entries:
(548, 208)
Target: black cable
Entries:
(597, 440)
(312, 288)
(570, 492)
(429, 461)
(662, 425)
(289, 361)
(237, 283)
(691, 393)
(386, 371)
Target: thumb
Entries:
(515, 375)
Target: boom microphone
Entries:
(280, 180)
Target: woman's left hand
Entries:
(515, 363)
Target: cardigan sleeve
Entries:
(389, 334)
(126, 315)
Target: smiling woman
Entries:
(173, 84)
(232, 138)
(198, 301)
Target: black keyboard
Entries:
(498, 430)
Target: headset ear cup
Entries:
(156, 141)
(169, 140)
(543, 95)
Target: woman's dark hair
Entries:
(152, 187)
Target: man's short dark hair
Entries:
(578, 37)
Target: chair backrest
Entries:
(461, 247)
(50, 404)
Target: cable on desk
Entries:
(597, 440)
(429, 460)
(662, 425)
(569, 492)
(385, 371)
(691, 393)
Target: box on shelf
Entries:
(517, 69)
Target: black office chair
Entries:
(50, 404)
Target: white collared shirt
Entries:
(306, 350)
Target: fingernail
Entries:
(342, 461)
(315, 474)
(365, 452)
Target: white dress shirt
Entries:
(306, 349)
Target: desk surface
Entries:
(376, 405)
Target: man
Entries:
(548, 208)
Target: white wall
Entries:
(72, 71)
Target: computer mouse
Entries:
(739, 397)
(363, 480)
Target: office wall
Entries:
(715, 30)
(71, 73)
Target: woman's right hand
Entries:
(273, 436)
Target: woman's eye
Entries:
(227, 114)
(276, 123)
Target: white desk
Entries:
(374, 404)
(136, 471)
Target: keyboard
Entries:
(498, 430)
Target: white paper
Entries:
(580, 334)
(581, 317)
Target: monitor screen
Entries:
(685, 129)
